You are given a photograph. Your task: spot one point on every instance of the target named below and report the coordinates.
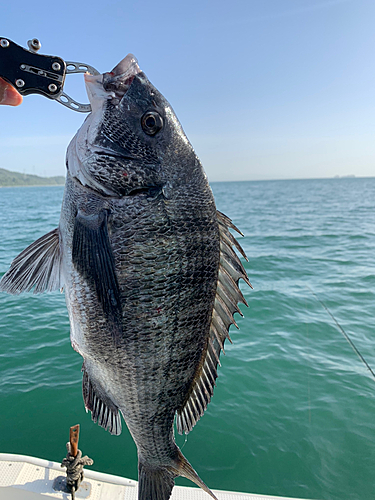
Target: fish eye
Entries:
(152, 122)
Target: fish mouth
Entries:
(114, 83)
(120, 78)
(84, 147)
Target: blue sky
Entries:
(266, 89)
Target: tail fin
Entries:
(186, 470)
(156, 483)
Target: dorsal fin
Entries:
(228, 295)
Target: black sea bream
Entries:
(148, 268)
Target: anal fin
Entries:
(103, 410)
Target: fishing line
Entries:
(186, 438)
(308, 371)
(344, 333)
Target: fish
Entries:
(149, 268)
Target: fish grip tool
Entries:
(32, 73)
(74, 462)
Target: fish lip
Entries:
(126, 67)
(113, 84)
(122, 75)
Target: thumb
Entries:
(8, 94)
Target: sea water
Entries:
(293, 413)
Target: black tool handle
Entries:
(30, 72)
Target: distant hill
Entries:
(15, 179)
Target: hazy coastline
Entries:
(10, 178)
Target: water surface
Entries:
(293, 410)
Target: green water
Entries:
(293, 410)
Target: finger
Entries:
(8, 94)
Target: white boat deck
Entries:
(29, 478)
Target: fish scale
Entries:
(148, 267)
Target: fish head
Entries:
(132, 141)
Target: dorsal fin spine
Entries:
(226, 313)
(193, 408)
(227, 299)
(226, 279)
(228, 294)
(199, 400)
(231, 267)
(225, 221)
(211, 362)
(213, 350)
(206, 384)
(217, 336)
(186, 422)
(210, 378)
(230, 240)
(228, 253)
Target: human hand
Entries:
(8, 94)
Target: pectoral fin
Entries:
(93, 258)
(39, 266)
